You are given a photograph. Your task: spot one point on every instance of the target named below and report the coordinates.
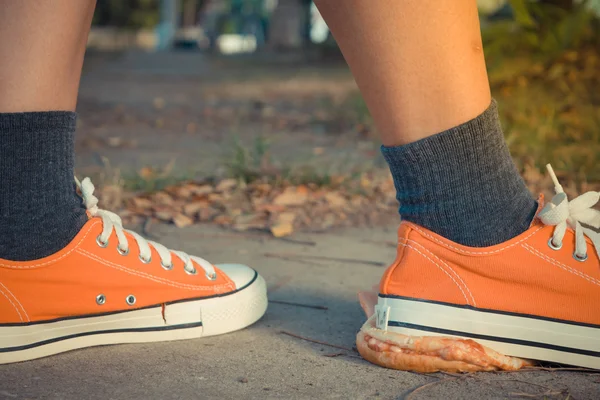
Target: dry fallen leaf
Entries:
(192, 209)
(163, 199)
(164, 215)
(282, 229)
(201, 190)
(146, 173)
(286, 217)
(335, 200)
(225, 185)
(182, 221)
(291, 197)
(141, 203)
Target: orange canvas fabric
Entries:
(67, 283)
(523, 275)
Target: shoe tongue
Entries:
(540, 201)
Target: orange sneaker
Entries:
(110, 285)
(536, 296)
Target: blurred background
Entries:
(246, 110)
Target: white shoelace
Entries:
(112, 221)
(561, 212)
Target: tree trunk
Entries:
(287, 25)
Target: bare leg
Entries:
(420, 67)
(42, 46)
(418, 63)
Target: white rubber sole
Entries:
(176, 321)
(516, 335)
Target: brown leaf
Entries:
(335, 200)
(215, 198)
(226, 184)
(291, 197)
(164, 215)
(222, 220)
(182, 221)
(192, 209)
(249, 221)
(183, 192)
(141, 203)
(201, 190)
(286, 217)
(270, 208)
(163, 199)
(282, 229)
(262, 187)
(146, 173)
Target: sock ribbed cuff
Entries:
(40, 211)
(462, 183)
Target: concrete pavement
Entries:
(262, 363)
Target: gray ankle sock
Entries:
(40, 212)
(463, 184)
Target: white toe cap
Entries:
(240, 274)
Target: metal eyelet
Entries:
(553, 246)
(148, 261)
(100, 299)
(130, 300)
(167, 267)
(122, 252)
(211, 277)
(580, 258)
(100, 242)
(192, 272)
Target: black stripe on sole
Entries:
(488, 310)
(495, 338)
(132, 330)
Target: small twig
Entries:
(289, 303)
(534, 396)
(325, 258)
(316, 341)
(298, 241)
(410, 394)
(332, 355)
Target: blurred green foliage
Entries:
(544, 71)
(130, 14)
(542, 29)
